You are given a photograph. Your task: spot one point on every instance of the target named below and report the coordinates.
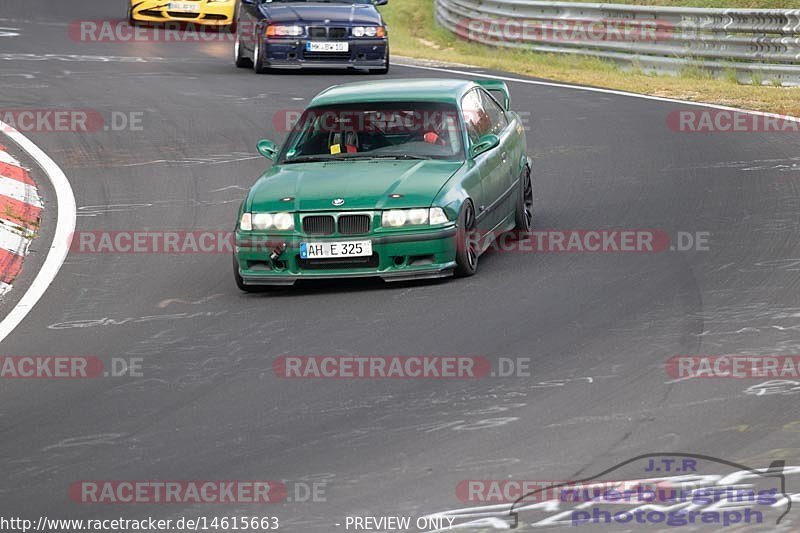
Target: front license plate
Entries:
(186, 7)
(329, 250)
(327, 47)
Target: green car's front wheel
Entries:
(467, 242)
(524, 212)
(238, 278)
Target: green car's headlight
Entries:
(396, 218)
(266, 221)
(246, 222)
(283, 221)
(437, 216)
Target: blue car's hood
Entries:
(320, 12)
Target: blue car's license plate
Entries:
(312, 46)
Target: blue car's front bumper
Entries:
(361, 53)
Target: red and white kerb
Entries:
(20, 209)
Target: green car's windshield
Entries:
(385, 130)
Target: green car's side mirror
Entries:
(484, 144)
(267, 148)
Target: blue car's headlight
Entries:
(281, 30)
(369, 31)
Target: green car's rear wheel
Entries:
(467, 242)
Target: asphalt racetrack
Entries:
(595, 329)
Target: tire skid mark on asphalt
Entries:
(26, 75)
(77, 58)
(631, 415)
(167, 302)
(106, 321)
(86, 440)
(17, 21)
(9, 32)
(20, 210)
(219, 159)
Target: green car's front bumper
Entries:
(265, 259)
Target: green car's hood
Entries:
(363, 185)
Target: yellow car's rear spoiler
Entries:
(498, 89)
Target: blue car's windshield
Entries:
(398, 130)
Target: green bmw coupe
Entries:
(399, 179)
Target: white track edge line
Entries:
(601, 90)
(65, 227)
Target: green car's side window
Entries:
(476, 120)
(496, 114)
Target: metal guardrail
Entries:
(757, 45)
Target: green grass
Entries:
(414, 33)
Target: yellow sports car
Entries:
(206, 12)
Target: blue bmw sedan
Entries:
(311, 33)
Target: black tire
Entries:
(258, 59)
(238, 278)
(466, 242)
(384, 70)
(239, 58)
(523, 217)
